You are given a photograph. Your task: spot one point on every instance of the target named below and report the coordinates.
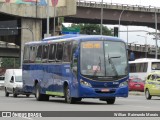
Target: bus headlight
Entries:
(125, 83)
(85, 83)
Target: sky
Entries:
(135, 37)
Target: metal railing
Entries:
(143, 48)
(129, 7)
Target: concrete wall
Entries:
(37, 2)
(32, 31)
(64, 7)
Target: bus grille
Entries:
(107, 86)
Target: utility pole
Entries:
(47, 18)
(101, 32)
(156, 34)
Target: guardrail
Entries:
(129, 7)
(143, 48)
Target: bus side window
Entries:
(67, 52)
(145, 67)
(32, 55)
(45, 54)
(59, 52)
(39, 53)
(74, 63)
(132, 67)
(26, 54)
(52, 53)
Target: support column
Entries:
(31, 31)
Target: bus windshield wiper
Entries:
(112, 64)
(98, 67)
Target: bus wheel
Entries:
(147, 94)
(6, 93)
(14, 93)
(45, 97)
(27, 95)
(110, 100)
(78, 99)
(68, 98)
(39, 96)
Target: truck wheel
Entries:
(14, 93)
(6, 93)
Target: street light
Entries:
(120, 22)
(145, 37)
(101, 17)
(47, 18)
(156, 34)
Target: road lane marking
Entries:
(138, 106)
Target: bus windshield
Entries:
(103, 58)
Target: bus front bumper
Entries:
(86, 92)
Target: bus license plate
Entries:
(105, 90)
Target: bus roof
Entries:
(74, 37)
(62, 37)
(145, 60)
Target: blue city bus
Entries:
(76, 67)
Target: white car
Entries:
(13, 82)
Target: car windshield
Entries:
(103, 58)
(155, 65)
(18, 78)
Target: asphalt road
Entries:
(132, 103)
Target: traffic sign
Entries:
(54, 2)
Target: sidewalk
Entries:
(136, 93)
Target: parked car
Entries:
(152, 85)
(13, 82)
(136, 84)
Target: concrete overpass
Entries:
(27, 18)
(9, 50)
(33, 15)
(90, 12)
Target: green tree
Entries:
(10, 62)
(92, 29)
